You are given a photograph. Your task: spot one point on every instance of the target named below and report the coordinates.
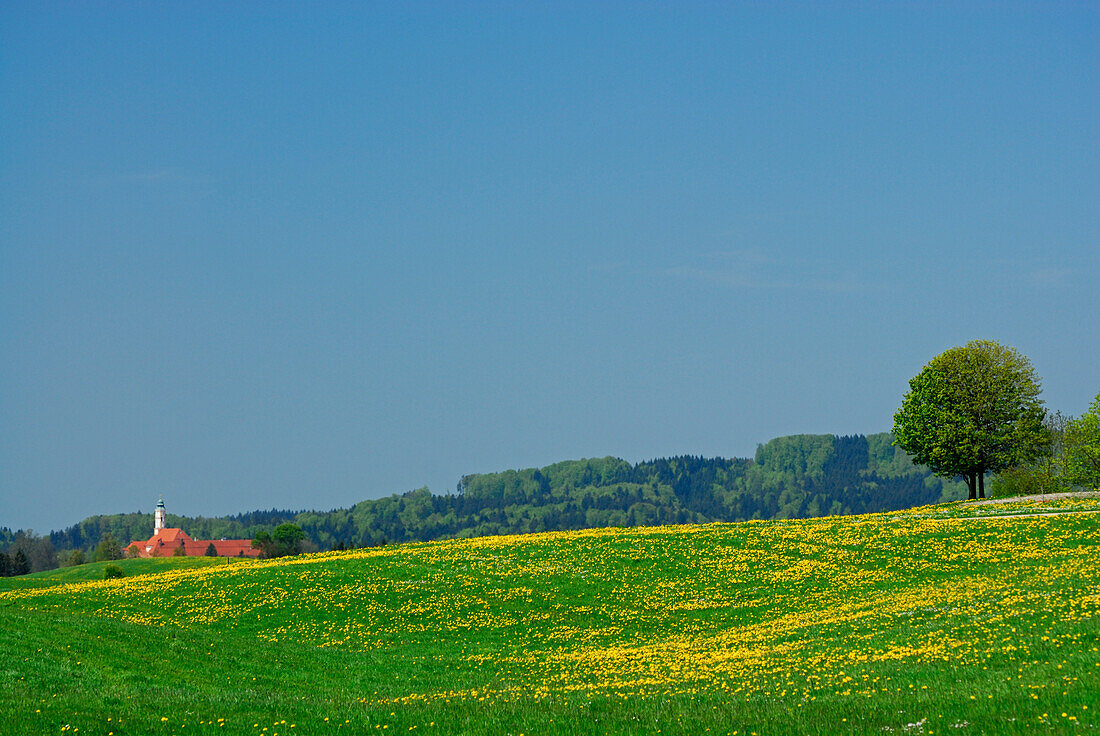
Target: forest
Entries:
(796, 476)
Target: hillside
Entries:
(93, 571)
(790, 477)
(931, 620)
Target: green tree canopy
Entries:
(262, 541)
(1082, 448)
(973, 410)
(19, 565)
(108, 548)
(288, 539)
(285, 540)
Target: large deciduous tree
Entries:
(287, 539)
(263, 542)
(973, 410)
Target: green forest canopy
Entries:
(789, 477)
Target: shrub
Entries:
(113, 571)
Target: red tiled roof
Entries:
(165, 542)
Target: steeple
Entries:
(158, 516)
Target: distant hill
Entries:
(790, 477)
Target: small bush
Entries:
(113, 571)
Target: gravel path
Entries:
(1044, 497)
(1023, 516)
(1040, 498)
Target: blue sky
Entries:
(259, 255)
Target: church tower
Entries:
(158, 517)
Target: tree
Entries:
(973, 410)
(1045, 475)
(1082, 453)
(108, 548)
(71, 558)
(19, 563)
(38, 551)
(41, 554)
(288, 539)
(211, 550)
(262, 541)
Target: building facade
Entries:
(169, 541)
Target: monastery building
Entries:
(165, 541)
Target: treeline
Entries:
(23, 552)
(102, 537)
(790, 477)
(1071, 460)
(129, 527)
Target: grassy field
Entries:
(950, 619)
(94, 571)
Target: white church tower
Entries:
(158, 517)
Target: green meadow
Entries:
(958, 618)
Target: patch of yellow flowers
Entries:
(758, 607)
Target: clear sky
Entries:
(298, 255)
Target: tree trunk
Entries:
(970, 485)
(981, 484)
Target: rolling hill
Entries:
(958, 618)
